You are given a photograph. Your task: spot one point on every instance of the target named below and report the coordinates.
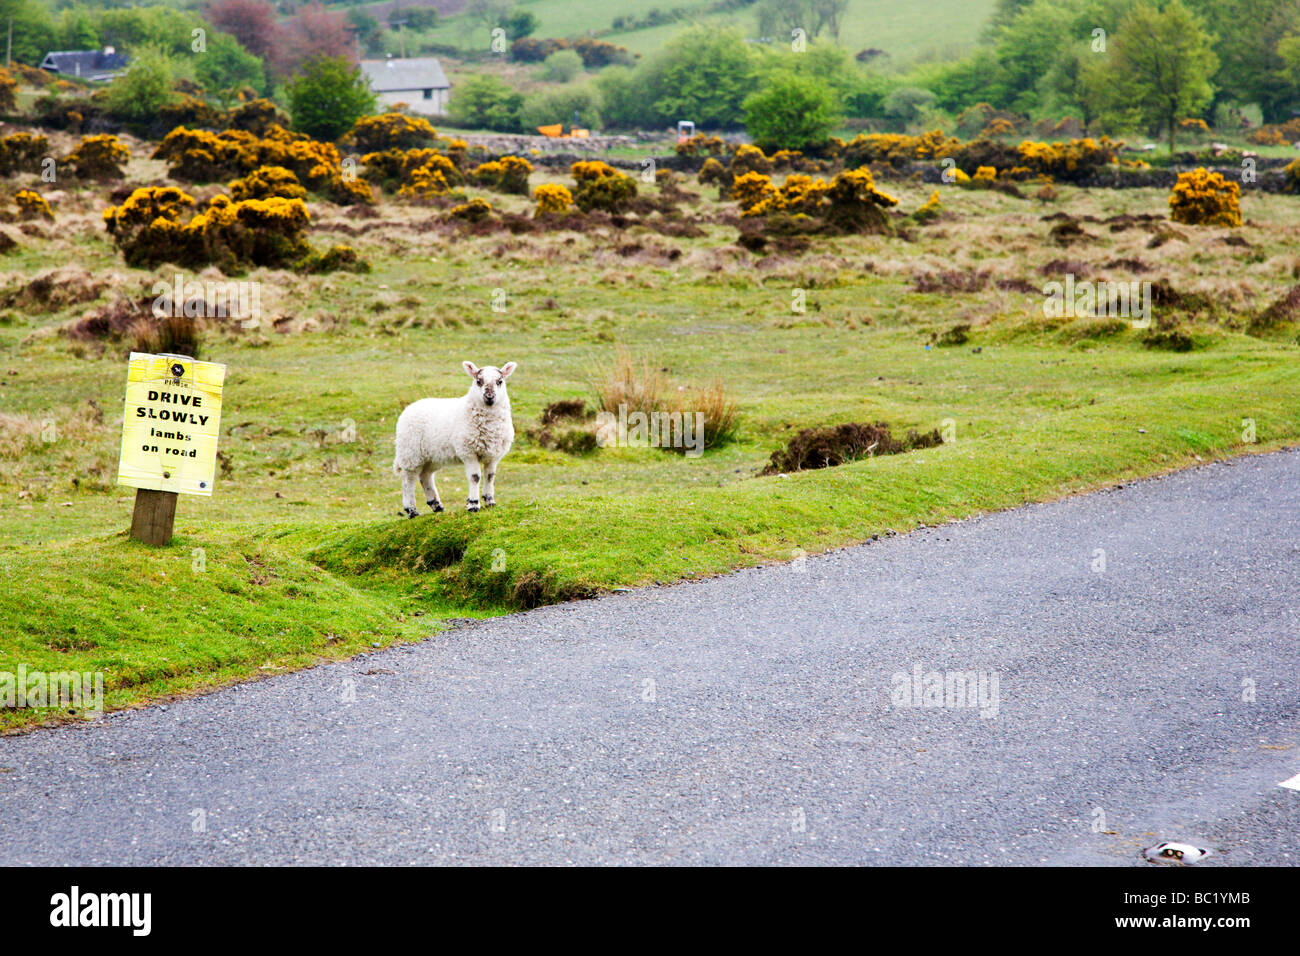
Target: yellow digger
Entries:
(556, 131)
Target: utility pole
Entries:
(399, 23)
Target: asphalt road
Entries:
(756, 718)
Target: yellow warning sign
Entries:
(171, 424)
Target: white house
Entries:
(416, 81)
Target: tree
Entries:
(145, 89)
(828, 15)
(314, 32)
(562, 66)
(779, 18)
(365, 28)
(159, 27)
(483, 101)
(251, 22)
(77, 29)
(558, 105)
(1158, 69)
(328, 96)
(1027, 48)
(226, 67)
(1288, 48)
(518, 24)
(979, 78)
(487, 13)
(907, 105)
(703, 75)
(866, 97)
(1251, 43)
(791, 112)
(813, 17)
(1072, 87)
(33, 29)
(417, 18)
(827, 63)
(621, 104)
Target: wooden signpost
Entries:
(169, 437)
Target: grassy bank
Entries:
(300, 556)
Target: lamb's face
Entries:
(489, 383)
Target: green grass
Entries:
(211, 608)
(303, 557)
(1045, 435)
(892, 27)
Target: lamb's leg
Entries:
(430, 489)
(489, 483)
(409, 479)
(472, 475)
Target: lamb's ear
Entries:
(508, 369)
(470, 369)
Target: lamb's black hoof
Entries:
(410, 512)
(488, 502)
(472, 505)
(436, 506)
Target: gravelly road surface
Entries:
(756, 718)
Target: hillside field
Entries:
(949, 27)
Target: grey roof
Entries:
(88, 64)
(396, 75)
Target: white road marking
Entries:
(1292, 784)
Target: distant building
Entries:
(95, 65)
(418, 82)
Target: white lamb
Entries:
(474, 429)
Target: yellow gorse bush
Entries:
(509, 174)
(268, 181)
(749, 159)
(552, 198)
(898, 149)
(1000, 126)
(929, 209)
(149, 228)
(701, 145)
(32, 205)
(99, 157)
(712, 172)
(587, 170)
(8, 91)
(144, 205)
(395, 168)
(1292, 176)
(373, 134)
(1204, 198)
(472, 211)
(22, 152)
(752, 190)
(850, 201)
(1061, 160)
(425, 182)
(200, 156)
(799, 194)
(601, 186)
